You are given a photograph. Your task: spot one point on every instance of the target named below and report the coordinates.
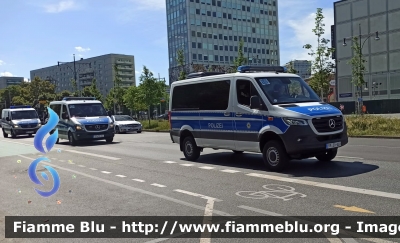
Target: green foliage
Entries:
(92, 91)
(132, 101)
(357, 64)
(115, 98)
(240, 59)
(358, 125)
(321, 66)
(290, 68)
(181, 61)
(157, 125)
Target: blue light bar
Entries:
(277, 69)
(78, 98)
(20, 106)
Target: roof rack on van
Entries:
(202, 74)
(78, 98)
(276, 69)
(20, 106)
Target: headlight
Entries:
(295, 122)
(78, 127)
(39, 125)
(111, 125)
(15, 125)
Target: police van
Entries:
(257, 109)
(19, 120)
(82, 118)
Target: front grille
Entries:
(28, 125)
(97, 127)
(133, 125)
(324, 124)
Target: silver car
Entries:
(125, 123)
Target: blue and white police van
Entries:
(257, 109)
(19, 120)
(83, 118)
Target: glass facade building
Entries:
(209, 31)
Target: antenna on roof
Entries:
(276, 69)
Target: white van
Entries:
(19, 120)
(258, 109)
(83, 118)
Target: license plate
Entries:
(98, 136)
(333, 145)
(29, 132)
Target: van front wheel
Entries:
(275, 156)
(71, 139)
(5, 134)
(190, 149)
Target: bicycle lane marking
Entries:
(346, 239)
(285, 193)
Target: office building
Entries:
(7, 81)
(101, 68)
(383, 55)
(303, 68)
(209, 31)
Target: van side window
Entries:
(245, 90)
(201, 96)
(56, 108)
(64, 110)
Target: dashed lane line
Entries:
(170, 162)
(187, 165)
(328, 186)
(207, 168)
(82, 166)
(95, 155)
(106, 172)
(230, 171)
(92, 168)
(158, 185)
(138, 180)
(122, 176)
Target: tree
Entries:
(74, 88)
(62, 94)
(321, 66)
(132, 101)
(150, 89)
(117, 91)
(290, 68)
(240, 59)
(358, 68)
(92, 91)
(181, 61)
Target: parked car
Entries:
(125, 123)
(163, 117)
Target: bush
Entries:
(156, 125)
(358, 125)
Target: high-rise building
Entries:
(303, 68)
(7, 81)
(101, 68)
(366, 17)
(209, 31)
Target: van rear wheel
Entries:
(190, 149)
(275, 156)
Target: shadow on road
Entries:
(88, 143)
(297, 168)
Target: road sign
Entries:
(345, 95)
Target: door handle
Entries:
(238, 114)
(227, 114)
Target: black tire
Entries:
(117, 130)
(190, 149)
(329, 155)
(110, 140)
(275, 156)
(5, 134)
(13, 135)
(71, 139)
(58, 141)
(139, 131)
(237, 152)
(29, 135)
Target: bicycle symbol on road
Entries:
(284, 193)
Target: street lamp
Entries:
(74, 69)
(360, 53)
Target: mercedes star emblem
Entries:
(98, 126)
(332, 123)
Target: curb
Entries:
(149, 130)
(370, 136)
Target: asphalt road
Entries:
(146, 175)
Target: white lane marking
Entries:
(359, 236)
(81, 166)
(95, 155)
(206, 236)
(134, 189)
(197, 195)
(158, 185)
(61, 160)
(347, 157)
(230, 171)
(138, 180)
(54, 158)
(349, 240)
(170, 162)
(207, 168)
(122, 176)
(332, 240)
(187, 165)
(106, 172)
(329, 186)
(93, 168)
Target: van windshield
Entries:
(19, 115)
(86, 110)
(284, 90)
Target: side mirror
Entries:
(109, 113)
(64, 116)
(255, 102)
(7, 118)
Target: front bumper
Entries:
(303, 142)
(130, 129)
(23, 131)
(84, 135)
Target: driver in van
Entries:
(279, 91)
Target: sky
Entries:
(39, 33)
